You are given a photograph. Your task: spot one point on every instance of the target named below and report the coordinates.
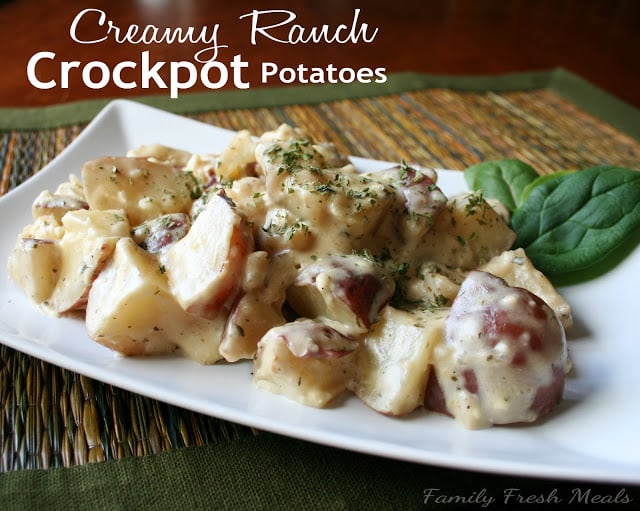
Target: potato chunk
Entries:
(315, 204)
(419, 195)
(132, 311)
(259, 307)
(88, 242)
(347, 292)
(67, 197)
(517, 270)
(160, 233)
(466, 234)
(503, 358)
(34, 262)
(238, 158)
(205, 268)
(392, 364)
(162, 154)
(33, 266)
(144, 188)
(305, 361)
(55, 204)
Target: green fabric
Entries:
(585, 95)
(597, 102)
(268, 472)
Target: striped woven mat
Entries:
(53, 417)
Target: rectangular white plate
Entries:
(592, 436)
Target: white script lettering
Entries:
(341, 34)
(136, 34)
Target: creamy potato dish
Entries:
(329, 280)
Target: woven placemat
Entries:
(53, 417)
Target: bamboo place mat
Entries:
(52, 417)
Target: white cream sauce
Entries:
(504, 355)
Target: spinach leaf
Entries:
(504, 180)
(539, 180)
(571, 221)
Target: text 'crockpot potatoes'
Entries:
(329, 281)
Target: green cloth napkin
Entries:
(273, 472)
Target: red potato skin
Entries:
(531, 320)
(419, 191)
(361, 295)
(548, 396)
(362, 289)
(434, 397)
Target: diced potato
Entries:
(162, 154)
(47, 227)
(56, 205)
(282, 230)
(68, 196)
(433, 286)
(517, 269)
(347, 292)
(503, 357)
(238, 159)
(72, 188)
(111, 223)
(420, 198)
(291, 163)
(132, 311)
(259, 308)
(161, 232)
(205, 267)
(466, 234)
(332, 156)
(250, 318)
(34, 266)
(87, 244)
(363, 210)
(249, 194)
(34, 262)
(204, 167)
(392, 364)
(305, 361)
(282, 133)
(308, 199)
(143, 188)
